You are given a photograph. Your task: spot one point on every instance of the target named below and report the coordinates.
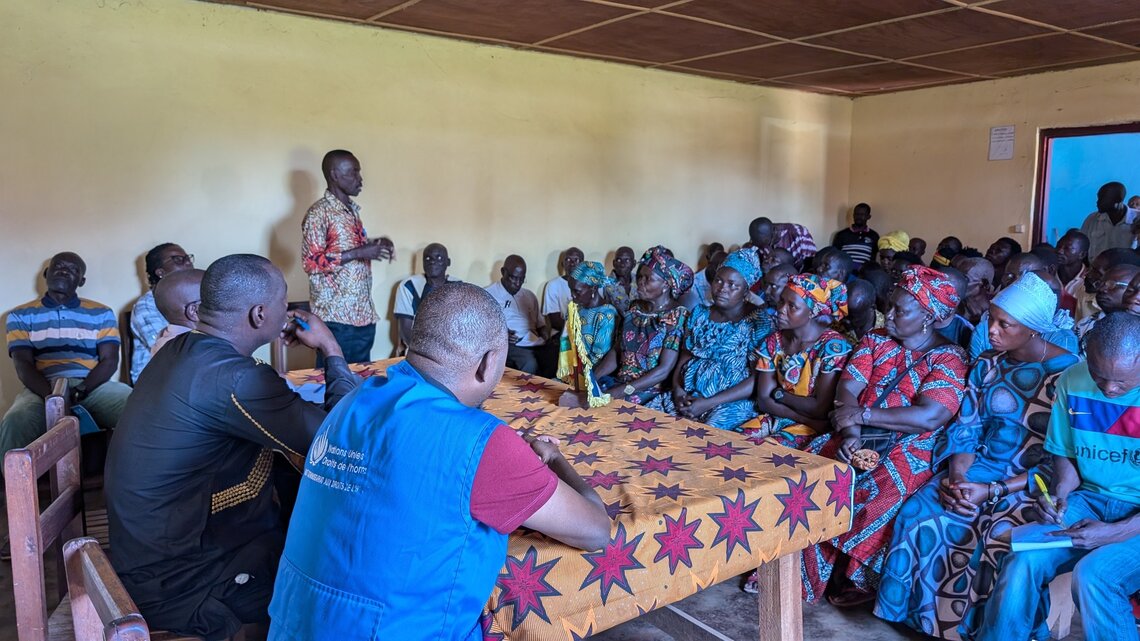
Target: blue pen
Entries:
(301, 323)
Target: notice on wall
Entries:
(1001, 142)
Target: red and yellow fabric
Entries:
(574, 364)
(692, 506)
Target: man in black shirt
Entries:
(195, 529)
(858, 241)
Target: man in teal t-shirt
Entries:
(1094, 437)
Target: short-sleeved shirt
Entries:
(879, 359)
(556, 297)
(64, 337)
(521, 311)
(795, 238)
(1105, 235)
(1101, 434)
(511, 483)
(146, 323)
(859, 245)
(340, 292)
(409, 294)
(700, 293)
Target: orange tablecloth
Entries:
(692, 506)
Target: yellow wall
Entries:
(129, 124)
(920, 157)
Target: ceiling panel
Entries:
(928, 34)
(1024, 54)
(528, 21)
(846, 47)
(658, 38)
(778, 60)
(798, 18)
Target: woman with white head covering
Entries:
(943, 556)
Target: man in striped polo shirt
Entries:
(62, 336)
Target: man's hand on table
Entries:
(317, 336)
(546, 447)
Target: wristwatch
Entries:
(778, 395)
(629, 390)
(866, 417)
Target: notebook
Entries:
(1036, 536)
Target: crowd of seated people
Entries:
(949, 387)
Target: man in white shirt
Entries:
(1110, 226)
(413, 289)
(556, 292)
(525, 326)
(701, 291)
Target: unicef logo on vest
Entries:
(319, 448)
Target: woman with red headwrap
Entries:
(799, 365)
(901, 386)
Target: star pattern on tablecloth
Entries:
(485, 621)
(533, 387)
(734, 523)
(587, 633)
(724, 450)
(696, 432)
(316, 377)
(616, 508)
(582, 419)
(529, 415)
(651, 444)
(797, 503)
(628, 409)
(675, 542)
(641, 425)
(734, 474)
(604, 480)
(662, 491)
(840, 489)
(523, 584)
(585, 458)
(611, 565)
(582, 437)
(661, 466)
(530, 400)
(780, 460)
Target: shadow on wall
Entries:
(305, 187)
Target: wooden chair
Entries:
(35, 534)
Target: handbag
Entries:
(881, 439)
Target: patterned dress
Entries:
(598, 330)
(941, 566)
(644, 336)
(796, 374)
(341, 292)
(617, 295)
(877, 361)
(724, 354)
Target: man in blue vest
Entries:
(410, 491)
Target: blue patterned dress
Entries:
(598, 330)
(940, 567)
(724, 354)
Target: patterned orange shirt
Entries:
(339, 292)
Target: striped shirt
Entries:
(64, 338)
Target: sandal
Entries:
(850, 597)
(752, 584)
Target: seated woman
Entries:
(587, 282)
(900, 387)
(646, 346)
(799, 365)
(942, 559)
(713, 380)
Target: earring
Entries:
(925, 328)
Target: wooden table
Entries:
(692, 506)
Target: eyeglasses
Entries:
(180, 259)
(1112, 284)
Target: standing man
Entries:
(1094, 438)
(526, 330)
(1110, 226)
(190, 475)
(858, 241)
(62, 336)
(337, 255)
(413, 289)
(146, 320)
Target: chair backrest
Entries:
(101, 609)
(33, 533)
(126, 345)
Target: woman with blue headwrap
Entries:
(713, 381)
(598, 318)
(943, 557)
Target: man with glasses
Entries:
(146, 320)
(1109, 295)
(62, 336)
(413, 289)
